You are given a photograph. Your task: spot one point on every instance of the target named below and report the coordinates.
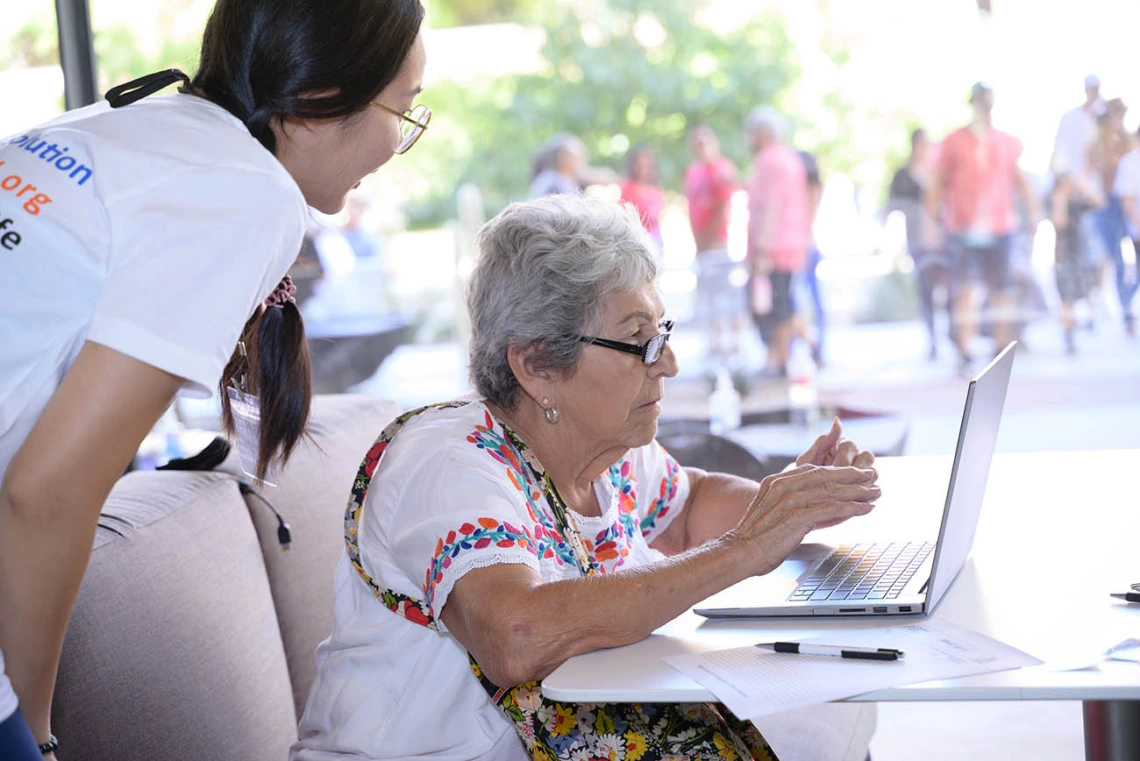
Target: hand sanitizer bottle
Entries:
(724, 404)
(803, 397)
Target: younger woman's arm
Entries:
(50, 500)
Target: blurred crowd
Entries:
(971, 218)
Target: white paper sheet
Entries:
(754, 682)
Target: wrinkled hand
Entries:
(831, 449)
(788, 505)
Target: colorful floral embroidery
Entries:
(664, 502)
(625, 485)
(551, 545)
(616, 541)
(489, 532)
(612, 543)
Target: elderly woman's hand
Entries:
(788, 505)
(832, 449)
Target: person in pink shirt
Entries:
(779, 232)
(710, 182)
(972, 194)
(641, 189)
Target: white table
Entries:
(1058, 532)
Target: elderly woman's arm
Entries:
(716, 501)
(715, 504)
(520, 628)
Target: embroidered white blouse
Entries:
(450, 495)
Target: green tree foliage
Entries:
(119, 58)
(617, 74)
(447, 13)
(33, 44)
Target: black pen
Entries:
(838, 651)
(1126, 596)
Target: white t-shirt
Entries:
(1127, 184)
(1075, 135)
(8, 703)
(388, 688)
(154, 229)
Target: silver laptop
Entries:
(883, 577)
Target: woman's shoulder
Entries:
(449, 435)
(177, 141)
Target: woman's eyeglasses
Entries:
(413, 123)
(651, 351)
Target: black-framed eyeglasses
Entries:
(413, 123)
(650, 351)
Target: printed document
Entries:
(754, 682)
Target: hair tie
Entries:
(137, 89)
(284, 292)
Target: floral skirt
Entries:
(554, 731)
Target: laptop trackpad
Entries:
(775, 587)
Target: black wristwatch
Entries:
(51, 746)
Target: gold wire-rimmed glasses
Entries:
(413, 123)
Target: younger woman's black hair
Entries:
(265, 61)
(276, 368)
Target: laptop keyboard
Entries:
(864, 572)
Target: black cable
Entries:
(284, 535)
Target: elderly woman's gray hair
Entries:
(545, 269)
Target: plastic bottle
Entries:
(803, 397)
(724, 404)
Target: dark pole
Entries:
(76, 52)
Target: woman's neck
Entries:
(572, 464)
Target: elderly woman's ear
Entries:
(536, 383)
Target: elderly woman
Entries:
(489, 540)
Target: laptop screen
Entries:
(977, 439)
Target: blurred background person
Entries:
(558, 166)
(811, 269)
(779, 232)
(364, 243)
(642, 189)
(1074, 271)
(931, 266)
(972, 196)
(1112, 144)
(1127, 189)
(1076, 133)
(563, 166)
(1072, 152)
(710, 181)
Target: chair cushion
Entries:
(173, 651)
(311, 493)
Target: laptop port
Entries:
(852, 610)
(904, 609)
(879, 610)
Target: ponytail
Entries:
(276, 368)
